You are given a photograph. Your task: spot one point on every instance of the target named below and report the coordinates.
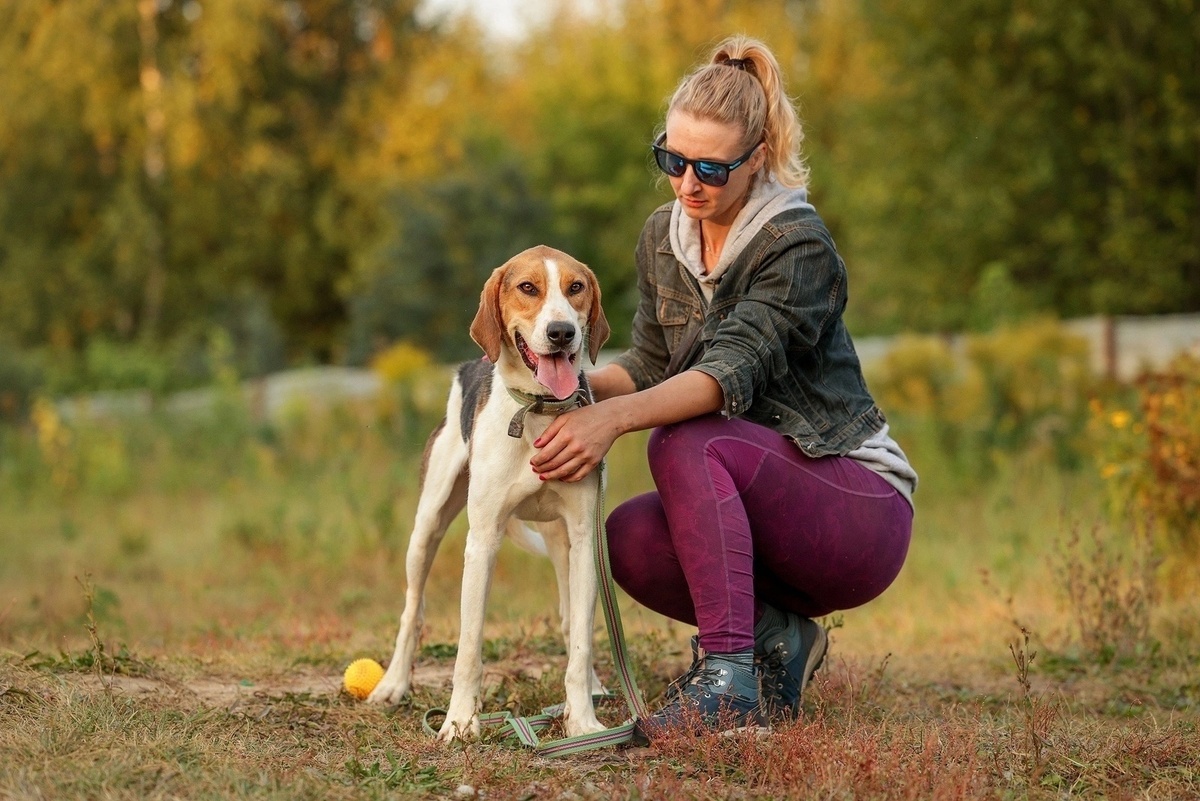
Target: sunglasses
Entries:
(707, 171)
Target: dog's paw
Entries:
(582, 724)
(388, 693)
(453, 729)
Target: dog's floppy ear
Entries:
(598, 330)
(487, 329)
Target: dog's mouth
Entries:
(555, 371)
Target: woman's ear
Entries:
(759, 158)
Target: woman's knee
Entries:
(681, 443)
(634, 530)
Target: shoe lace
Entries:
(774, 672)
(676, 688)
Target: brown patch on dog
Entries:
(503, 301)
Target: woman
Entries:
(780, 496)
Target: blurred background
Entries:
(241, 239)
(319, 179)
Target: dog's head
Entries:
(535, 311)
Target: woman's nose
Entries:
(690, 184)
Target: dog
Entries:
(536, 312)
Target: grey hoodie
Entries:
(766, 200)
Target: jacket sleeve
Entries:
(647, 357)
(797, 292)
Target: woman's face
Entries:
(695, 138)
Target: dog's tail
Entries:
(527, 538)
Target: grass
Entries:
(177, 602)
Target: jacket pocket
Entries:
(673, 312)
(674, 316)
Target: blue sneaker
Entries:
(719, 692)
(788, 649)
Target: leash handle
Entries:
(526, 729)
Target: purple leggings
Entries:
(741, 517)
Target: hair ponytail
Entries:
(742, 85)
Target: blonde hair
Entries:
(748, 93)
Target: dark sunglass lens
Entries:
(669, 163)
(711, 174)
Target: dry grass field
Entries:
(178, 600)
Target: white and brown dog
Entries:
(535, 314)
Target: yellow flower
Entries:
(1119, 419)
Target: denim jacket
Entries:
(772, 335)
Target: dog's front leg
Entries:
(479, 561)
(580, 713)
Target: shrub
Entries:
(1018, 387)
(1148, 450)
(414, 394)
(1037, 380)
(401, 362)
(21, 378)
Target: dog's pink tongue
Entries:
(556, 374)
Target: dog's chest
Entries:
(541, 506)
(500, 468)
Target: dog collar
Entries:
(541, 404)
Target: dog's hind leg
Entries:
(557, 547)
(443, 495)
(526, 538)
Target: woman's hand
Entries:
(574, 443)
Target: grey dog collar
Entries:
(541, 404)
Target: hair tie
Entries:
(737, 63)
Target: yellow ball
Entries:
(361, 677)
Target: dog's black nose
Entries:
(560, 334)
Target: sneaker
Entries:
(788, 656)
(719, 692)
(676, 687)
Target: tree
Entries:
(424, 281)
(162, 157)
(1057, 144)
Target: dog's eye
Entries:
(527, 287)
(575, 288)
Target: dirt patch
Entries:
(230, 692)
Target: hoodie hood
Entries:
(767, 199)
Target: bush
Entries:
(21, 378)
(1018, 387)
(1148, 452)
(1037, 381)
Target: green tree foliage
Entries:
(573, 118)
(267, 109)
(426, 277)
(318, 177)
(1056, 145)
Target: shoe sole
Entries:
(757, 731)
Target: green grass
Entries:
(177, 602)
